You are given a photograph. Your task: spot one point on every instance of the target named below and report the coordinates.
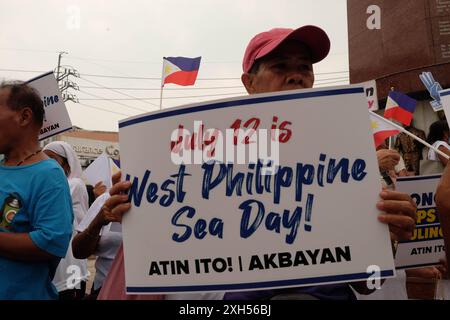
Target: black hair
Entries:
(255, 67)
(437, 131)
(21, 95)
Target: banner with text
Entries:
(56, 118)
(213, 209)
(426, 247)
(370, 88)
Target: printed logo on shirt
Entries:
(10, 208)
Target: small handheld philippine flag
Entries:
(180, 70)
(382, 129)
(400, 107)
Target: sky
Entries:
(114, 44)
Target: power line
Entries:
(188, 88)
(159, 78)
(165, 89)
(343, 82)
(327, 79)
(154, 78)
(116, 91)
(29, 50)
(147, 78)
(19, 70)
(105, 110)
(156, 98)
(146, 62)
(107, 99)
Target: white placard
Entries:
(99, 170)
(445, 100)
(57, 118)
(184, 234)
(370, 88)
(426, 247)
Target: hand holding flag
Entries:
(383, 128)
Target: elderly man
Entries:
(282, 59)
(36, 210)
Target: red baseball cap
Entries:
(265, 42)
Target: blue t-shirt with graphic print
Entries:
(42, 194)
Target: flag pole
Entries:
(411, 135)
(162, 84)
(161, 97)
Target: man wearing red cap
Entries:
(282, 59)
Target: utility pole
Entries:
(59, 64)
(62, 78)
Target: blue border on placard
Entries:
(260, 285)
(446, 93)
(413, 266)
(434, 176)
(241, 102)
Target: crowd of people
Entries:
(59, 222)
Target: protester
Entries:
(391, 163)
(68, 286)
(95, 237)
(36, 216)
(438, 137)
(282, 59)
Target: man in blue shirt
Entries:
(35, 205)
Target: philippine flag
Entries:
(400, 107)
(180, 70)
(382, 129)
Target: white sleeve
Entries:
(432, 155)
(92, 212)
(80, 200)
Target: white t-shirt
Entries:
(71, 271)
(432, 155)
(108, 244)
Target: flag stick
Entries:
(411, 135)
(162, 84)
(161, 97)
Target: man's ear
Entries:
(25, 117)
(247, 80)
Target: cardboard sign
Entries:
(99, 170)
(426, 247)
(445, 100)
(57, 118)
(222, 226)
(370, 88)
